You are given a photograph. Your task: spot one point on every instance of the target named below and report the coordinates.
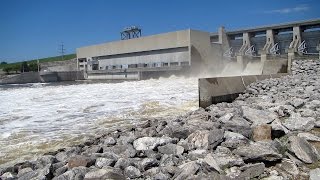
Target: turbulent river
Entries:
(37, 118)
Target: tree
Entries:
(16, 67)
(3, 63)
(7, 69)
(33, 66)
(24, 67)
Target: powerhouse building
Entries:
(192, 51)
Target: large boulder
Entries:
(303, 150)
(171, 149)
(105, 173)
(258, 151)
(78, 160)
(238, 125)
(186, 170)
(314, 174)
(132, 172)
(297, 123)
(309, 137)
(234, 140)
(150, 143)
(258, 116)
(204, 139)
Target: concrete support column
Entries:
(245, 43)
(296, 38)
(269, 41)
(223, 39)
(240, 61)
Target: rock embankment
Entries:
(270, 132)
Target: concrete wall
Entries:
(226, 89)
(147, 43)
(68, 65)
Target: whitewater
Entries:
(37, 118)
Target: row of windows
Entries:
(143, 65)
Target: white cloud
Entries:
(298, 8)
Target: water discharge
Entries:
(37, 118)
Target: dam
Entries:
(251, 51)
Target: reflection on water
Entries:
(36, 118)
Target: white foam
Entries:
(41, 113)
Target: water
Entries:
(37, 118)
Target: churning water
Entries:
(37, 118)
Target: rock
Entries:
(60, 170)
(161, 176)
(167, 160)
(227, 159)
(258, 151)
(37, 174)
(122, 163)
(110, 141)
(106, 173)
(102, 162)
(276, 125)
(252, 170)
(289, 167)
(204, 139)
(149, 143)
(233, 172)
(314, 174)
(7, 176)
(126, 150)
(225, 118)
(186, 170)
(234, 140)
(132, 172)
(24, 171)
(45, 160)
(258, 117)
(212, 163)
(309, 137)
(171, 149)
(238, 125)
(297, 102)
(148, 163)
(262, 133)
(303, 150)
(273, 177)
(298, 123)
(76, 161)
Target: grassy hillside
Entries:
(49, 59)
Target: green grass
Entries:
(48, 59)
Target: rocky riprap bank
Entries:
(271, 132)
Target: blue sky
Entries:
(35, 28)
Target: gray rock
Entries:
(186, 170)
(225, 118)
(60, 170)
(45, 160)
(297, 102)
(7, 176)
(105, 173)
(148, 163)
(167, 160)
(314, 174)
(276, 125)
(122, 163)
(149, 143)
(161, 176)
(204, 139)
(102, 162)
(258, 117)
(69, 175)
(303, 150)
(309, 137)
(252, 170)
(234, 140)
(212, 163)
(132, 172)
(110, 141)
(24, 171)
(298, 123)
(289, 167)
(171, 149)
(238, 125)
(226, 160)
(258, 151)
(121, 150)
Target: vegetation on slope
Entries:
(31, 65)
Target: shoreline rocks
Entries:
(271, 131)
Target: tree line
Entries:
(19, 67)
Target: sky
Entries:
(31, 29)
